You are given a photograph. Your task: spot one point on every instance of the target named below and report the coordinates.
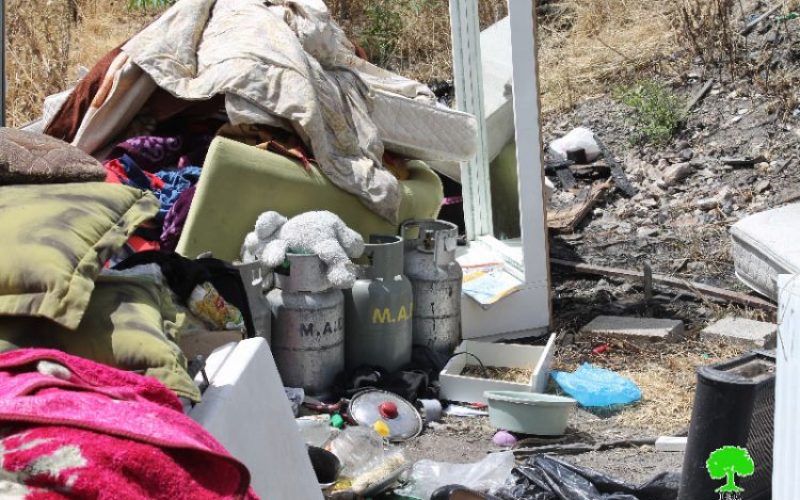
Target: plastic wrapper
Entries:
(359, 449)
(547, 478)
(596, 387)
(208, 305)
(316, 430)
(426, 476)
(295, 396)
(379, 476)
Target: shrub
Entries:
(382, 30)
(657, 111)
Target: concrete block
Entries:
(748, 332)
(635, 329)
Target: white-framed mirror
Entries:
(503, 186)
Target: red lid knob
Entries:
(388, 410)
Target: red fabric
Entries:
(116, 173)
(139, 244)
(103, 433)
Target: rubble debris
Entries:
(743, 331)
(698, 289)
(621, 181)
(743, 162)
(635, 329)
(761, 186)
(567, 219)
(566, 178)
(674, 174)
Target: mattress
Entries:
(765, 245)
(417, 130)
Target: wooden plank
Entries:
(621, 181)
(698, 96)
(755, 22)
(566, 178)
(567, 220)
(785, 457)
(698, 289)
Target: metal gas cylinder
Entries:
(430, 265)
(307, 325)
(379, 308)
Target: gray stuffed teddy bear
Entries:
(320, 233)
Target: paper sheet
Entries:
(489, 287)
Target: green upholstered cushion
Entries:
(239, 182)
(130, 323)
(55, 239)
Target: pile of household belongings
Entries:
(89, 228)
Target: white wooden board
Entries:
(247, 410)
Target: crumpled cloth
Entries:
(176, 219)
(150, 152)
(281, 62)
(80, 429)
(167, 185)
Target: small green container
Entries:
(529, 412)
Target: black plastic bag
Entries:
(544, 477)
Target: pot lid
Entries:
(400, 416)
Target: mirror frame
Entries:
(526, 312)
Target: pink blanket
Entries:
(78, 429)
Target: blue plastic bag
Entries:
(595, 387)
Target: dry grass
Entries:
(665, 373)
(48, 40)
(589, 46)
(37, 53)
(586, 47)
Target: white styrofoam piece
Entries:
(762, 248)
(786, 447)
(671, 443)
(246, 409)
(455, 387)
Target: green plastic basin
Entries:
(529, 412)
